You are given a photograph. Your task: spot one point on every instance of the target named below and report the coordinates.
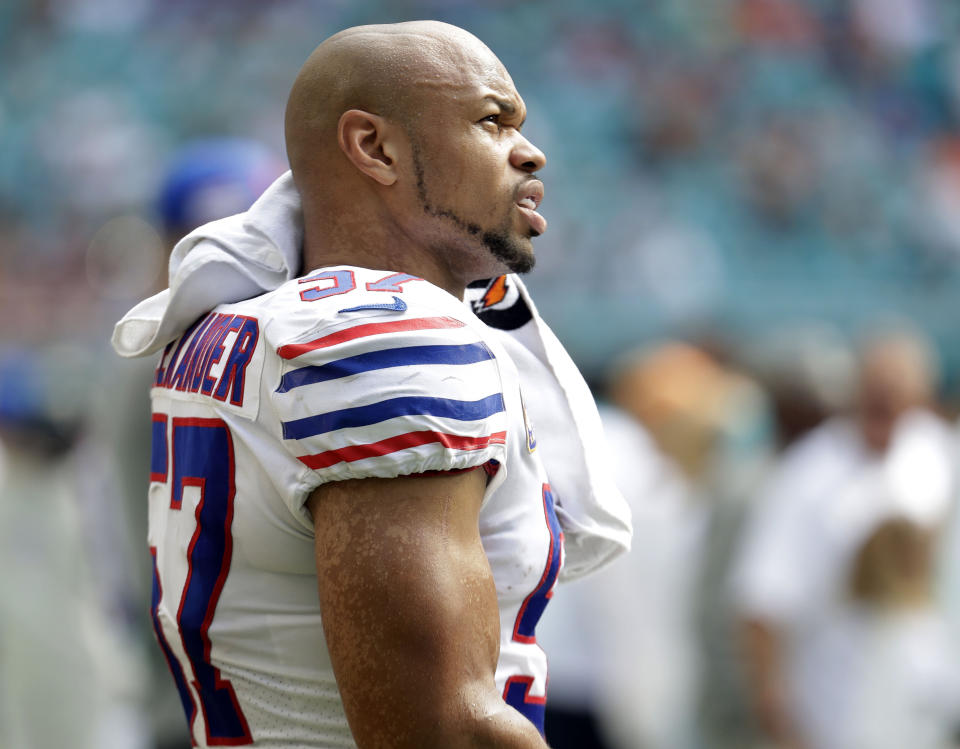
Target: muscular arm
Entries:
(410, 613)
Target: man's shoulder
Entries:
(389, 376)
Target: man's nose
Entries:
(526, 156)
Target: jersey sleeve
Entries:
(390, 396)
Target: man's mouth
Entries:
(529, 197)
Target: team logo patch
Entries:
(495, 293)
(499, 304)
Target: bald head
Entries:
(898, 372)
(405, 145)
(389, 70)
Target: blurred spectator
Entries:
(781, 177)
(909, 686)
(894, 28)
(71, 666)
(939, 183)
(837, 542)
(624, 644)
(211, 178)
(808, 371)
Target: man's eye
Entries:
(494, 118)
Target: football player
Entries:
(357, 430)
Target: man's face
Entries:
(892, 382)
(473, 169)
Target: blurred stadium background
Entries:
(727, 167)
(768, 179)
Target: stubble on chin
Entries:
(508, 251)
(500, 243)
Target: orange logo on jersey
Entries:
(496, 292)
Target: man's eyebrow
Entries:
(506, 106)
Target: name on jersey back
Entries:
(211, 358)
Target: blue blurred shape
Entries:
(22, 388)
(215, 177)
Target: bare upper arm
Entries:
(410, 612)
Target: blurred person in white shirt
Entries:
(810, 640)
(624, 648)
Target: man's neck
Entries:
(366, 250)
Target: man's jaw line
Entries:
(498, 243)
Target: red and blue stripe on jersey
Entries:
(412, 354)
(468, 353)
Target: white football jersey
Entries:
(344, 373)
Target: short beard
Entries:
(498, 243)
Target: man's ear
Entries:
(363, 137)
